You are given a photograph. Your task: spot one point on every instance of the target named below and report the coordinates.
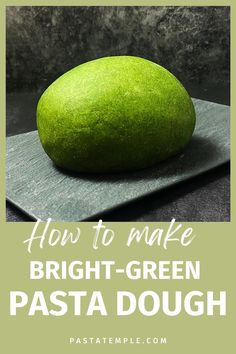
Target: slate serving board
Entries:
(41, 190)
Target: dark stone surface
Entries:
(44, 42)
(43, 191)
(206, 198)
(189, 201)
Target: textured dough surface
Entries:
(114, 114)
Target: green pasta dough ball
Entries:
(114, 114)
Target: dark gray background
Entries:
(192, 42)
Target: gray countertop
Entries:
(204, 198)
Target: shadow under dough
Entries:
(199, 154)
